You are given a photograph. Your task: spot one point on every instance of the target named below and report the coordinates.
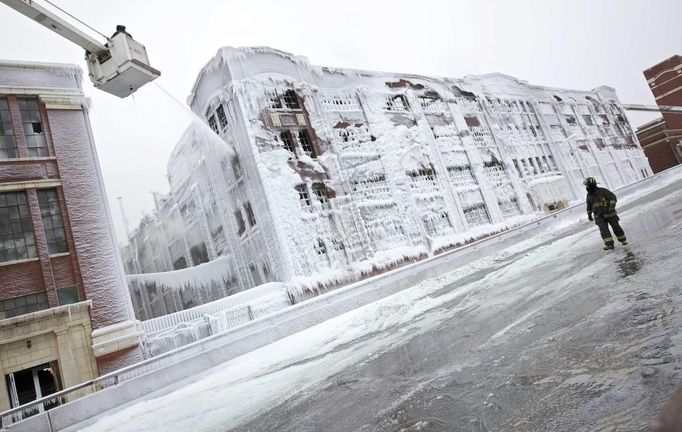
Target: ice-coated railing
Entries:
(234, 303)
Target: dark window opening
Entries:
(321, 192)
(320, 247)
(303, 195)
(588, 119)
(287, 141)
(35, 383)
(213, 124)
(199, 254)
(249, 214)
(180, 263)
(570, 119)
(241, 224)
(306, 143)
(220, 112)
(291, 100)
(472, 121)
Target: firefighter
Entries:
(601, 208)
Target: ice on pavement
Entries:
(526, 273)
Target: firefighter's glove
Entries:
(589, 216)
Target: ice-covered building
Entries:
(65, 315)
(337, 174)
(186, 230)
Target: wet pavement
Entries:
(559, 337)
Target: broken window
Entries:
(212, 123)
(588, 119)
(220, 112)
(16, 228)
(396, 103)
(287, 141)
(273, 101)
(339, 100)
(303, 195)
(27, 385)
(472, 121)
(604, 120)
(53, 224)
(8, 145)
(320, 247)
(306, 143)
(241, 224)
(249, 213)
(291, 100)
(33, 128)
(321, 193)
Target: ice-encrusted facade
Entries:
(334, 174)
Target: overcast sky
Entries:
(579, 44)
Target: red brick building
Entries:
(65, 316)
(661, 139)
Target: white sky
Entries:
(578, 44)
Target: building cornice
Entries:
(53, 98)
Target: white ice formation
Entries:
(323, 176)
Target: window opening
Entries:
(249, 213)
(241, 224)
(8, 145)
(33, 128)
(306, 143)
(287, 141)
(291, 100)
(213, 124)
(16, 228)
(222, 118)
(53, 223)
(303, 196)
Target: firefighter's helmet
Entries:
(590, 181)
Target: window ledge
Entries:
(29, 159)
(22, 261)
(58, 255)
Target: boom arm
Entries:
(119, 67)
(42, 16)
